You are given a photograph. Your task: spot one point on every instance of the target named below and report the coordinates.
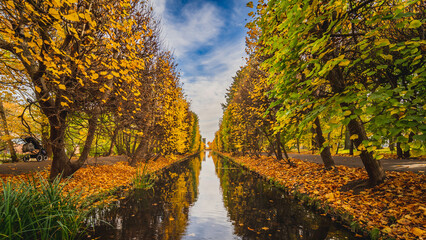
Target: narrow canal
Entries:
(209, 197)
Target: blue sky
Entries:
(208, 41)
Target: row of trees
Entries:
(96, 69)
(319, 69)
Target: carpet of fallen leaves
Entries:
(384, 155)
(397, 207)
(93, 181)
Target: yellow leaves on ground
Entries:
(418, 232)
(396, 207)
(91, 181)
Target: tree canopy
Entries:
(355, 65)
(95, 64)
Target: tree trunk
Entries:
(340, 139)
(351, 147)
(140, 152)
(113, 139)
(399, 151)
(57, 139)
(406, 154)
(45, 139)
(347, 139)
(93, 123)
(270, 151)
(278, 154)
(313, 141)
(410, 139)
(298, 145)
(135, 144)
(6, 132)
(281, 145)
(120, 143)
(128, 139)
(392, 144)
(337, 148)
(61, 164)
(373, 167)
(325, 153)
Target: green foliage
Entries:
(358, 66)
(354, 60)
(39, 209)
(375, 234)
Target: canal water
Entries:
(208, 197)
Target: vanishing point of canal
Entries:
(208, 197)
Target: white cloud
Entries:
(207, 89)
(199, 26)
(159, 6)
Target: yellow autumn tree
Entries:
(76, 55)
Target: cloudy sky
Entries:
(207, 39)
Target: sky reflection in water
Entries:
(211, 199)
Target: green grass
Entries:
(142, 179)
(39, 209)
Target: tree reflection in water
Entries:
(253, 209)
(158, 213)
(259, 210)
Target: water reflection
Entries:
(159, 213)
(261, 211)
(211, 199)
(208, 218)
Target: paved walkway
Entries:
(34, 166)
(388, 164)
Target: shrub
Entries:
(39, 209)
(142, 179)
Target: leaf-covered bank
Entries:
(88, 188)
(394, 209)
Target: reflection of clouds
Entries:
(208, 41)
(208, 217)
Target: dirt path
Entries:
(34, 166)
(388, 164)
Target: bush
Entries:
(39, 209)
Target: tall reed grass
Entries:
(142, 179)
(39, 209)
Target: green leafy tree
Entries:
(332, 58)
